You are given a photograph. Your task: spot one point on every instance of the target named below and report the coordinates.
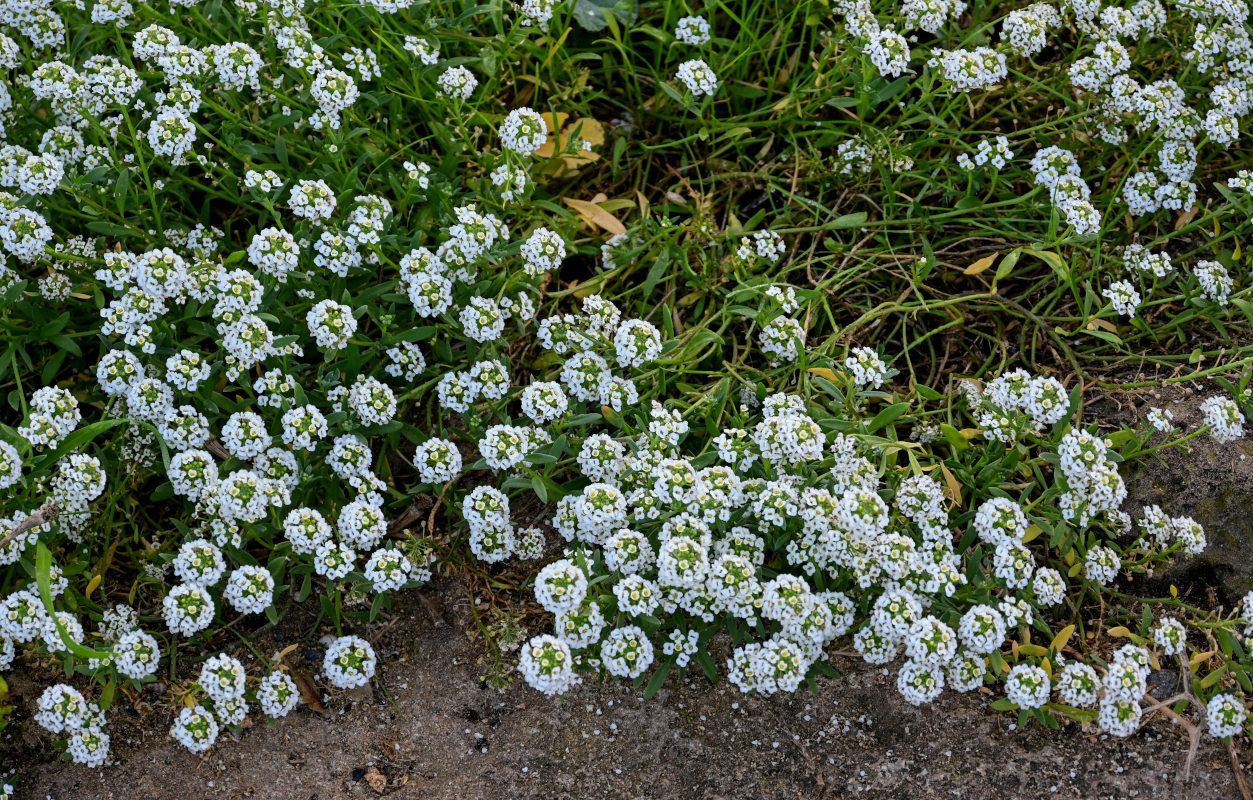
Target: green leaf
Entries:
(541, 491)
(887, 416)
(43, 578)
(592, 15)
(112, 229)
(707, 664)
(75, 440)
(658, 680)
(954, 437)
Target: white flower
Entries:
(249, 589)
(349, 662)
(331, 325)
(312, 200)
(196, 729)
(692, 30)
(136, 654)
(277, 695)
(1027, 686)
(188, 609)
(1162, 420)
(222, 678)
(1123, 297)
(523, 131)
(547, 665)
(1226, 715)
(697, 77)
(62, 709)
(1224, 418)
(457, 83)
(867, 367)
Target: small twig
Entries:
(41, 517)
(407, 517)
(1235, 766)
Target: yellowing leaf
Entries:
(1033, 650)
(954, 488)
(1031, 533)
(91, 586)
(1174, 591)
(1119, 631)
(555, 120)
(595, 215)
(1062, 638)
(587, 129)
(980, 265)
(824, 372)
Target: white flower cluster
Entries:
(1015, 401)
(988, 151)
(1224, 418)
(697, 77)
(349, 662)
(62, 710)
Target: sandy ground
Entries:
(430, 729)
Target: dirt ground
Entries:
(430, 729)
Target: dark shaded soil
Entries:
(1209, 481)
(429, 728)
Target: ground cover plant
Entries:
(784, 319)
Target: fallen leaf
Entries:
(595, 215)
(980, 265)
(376, 779)
(308, 692)
(954, 488)
(555, 120)
(1183, 219)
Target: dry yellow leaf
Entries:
(954, 488)
(1062, 638)
(587, 129)
(595, 215)
(555, 119)
(1186, 217)
(980, 265)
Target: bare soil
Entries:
(429, 728)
